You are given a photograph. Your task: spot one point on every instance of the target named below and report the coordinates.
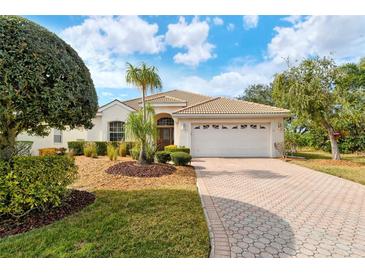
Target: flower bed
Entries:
(132, 169)
(74, 202)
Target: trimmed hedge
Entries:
(174, 148)
(180, 158)
(163, 157)
(101, 147)
(52, 151)
(77, 147)
(34, 182)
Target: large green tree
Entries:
(258, 93)
(43, 83)
(146, 79)
(311, 91)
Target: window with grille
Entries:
(57, 136)
(166, 121)
(116, 131)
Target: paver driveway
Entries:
(269, 208)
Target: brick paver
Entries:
(269, 208)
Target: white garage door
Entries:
(228, 140)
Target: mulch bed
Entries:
(74, 202)
(133, 169)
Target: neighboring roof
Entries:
(189, 97)
(114, 102)
(164, 99)
(221, 105)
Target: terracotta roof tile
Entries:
(189, 97)
(221, 105)
(164, 99)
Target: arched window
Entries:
(116, 131)
(165, 121)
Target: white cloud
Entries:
(230, 27)
(233, 81)
(250, 21)
(218, 21)
(104, 42)
(293, 19)
(106, 94)
(341, 36)
(192, 37)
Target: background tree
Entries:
(309, 90)
(258, 93)
(146, 79)
(43, 83)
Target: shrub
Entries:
(112, 152)
(174, 148)
(115, 144)
(35, 182)
(135, 152)
(163, 157)
(23, 148)
(90, 150)
(129, 146)
(51, 151)
(180, 158)
(77, 147)
(122, 149)
(101, 148)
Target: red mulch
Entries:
(133, 169)
(74, 202)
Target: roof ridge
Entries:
(198, 104)
(259, 104)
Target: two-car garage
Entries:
(230, 140)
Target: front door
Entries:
(166, 137)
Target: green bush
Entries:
(122, 149)
(90, 150)
(23, 148)
(112, 152)
(129, 146)
(101, 148)
(134, 152)
(174, 148)
(180, 158)
(77, 147)
(34, 182)
(163, 157)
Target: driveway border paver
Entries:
(220, 247)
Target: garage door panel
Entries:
(251, 140)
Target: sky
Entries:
(213, 55)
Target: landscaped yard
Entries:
(351, 167)
(131, 217)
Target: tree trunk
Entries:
(7, 144)
(142, 155)
(334, 147)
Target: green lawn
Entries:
(141, 223)
(351, 167)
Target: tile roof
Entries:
(221, 105)
(164, 99)
(189, 97)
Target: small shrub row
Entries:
(34, 182)
(123, 148)
(52, 151)
(174, 148)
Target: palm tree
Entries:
(144, 131)
(145, 78)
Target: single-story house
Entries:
(209, 126)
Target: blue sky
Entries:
(214, 55)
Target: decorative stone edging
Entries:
(220, 247)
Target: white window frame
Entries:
(57, 136)
(122, 132)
